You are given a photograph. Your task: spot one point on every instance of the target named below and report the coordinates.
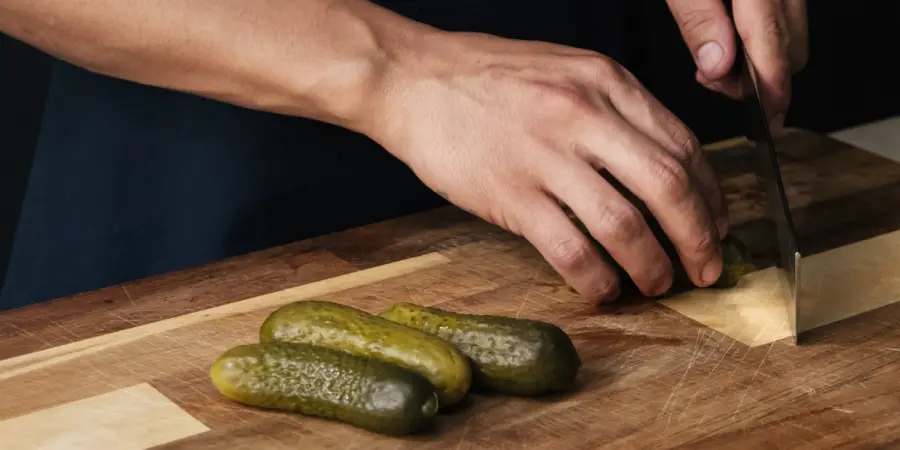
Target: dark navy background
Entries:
(128, 181)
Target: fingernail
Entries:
(712, 270)
(662, 285)
(708, 56)
(661, 280)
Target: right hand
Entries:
(510, 130)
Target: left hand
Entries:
(775, 36)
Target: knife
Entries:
(768, 171)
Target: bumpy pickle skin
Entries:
(329, 384)
(348, 329)
(513, 356)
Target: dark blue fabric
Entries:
(130, 181)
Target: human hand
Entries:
(512, 130)
(775, 36)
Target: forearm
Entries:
(321, 59)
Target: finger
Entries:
(795, 14)
(645, 113)
(614, 222)
(667, 188)
(708, 33)
(543, 223)
(763, 28)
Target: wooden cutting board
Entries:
(127, 367)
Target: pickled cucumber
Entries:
(514, 356)
(329, 384)
(341, 327)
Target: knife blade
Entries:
(768, 171)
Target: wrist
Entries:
(415, 58)
(373, 43)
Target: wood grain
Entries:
(23, 364)
(121, 307)
(135, 418)
(652, 377)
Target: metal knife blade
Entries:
(769, 172)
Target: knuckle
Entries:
(673, 178)
(628, 88)
(592, 58)
(775, 30)
(563, 101)
(687, 147)
(503, 219)
(506, 210)
(570, 254)
(618, 73)
(608, 72)
(595, 61)
(623, 224)
(705, 243)
(697, 19)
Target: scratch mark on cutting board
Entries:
(71, 334)
(709, 375)
(681, 381)
(626, 360)
(32, 335)
(128, 295)
(807, 429)
(794, 435)
(272, 439)
(57, 334)
(728, 381)
(524, 300)
(126, 320)
(752, 379)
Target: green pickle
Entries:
(329, 384)
(514, 356)
(348, 329)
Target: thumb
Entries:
(708, 33)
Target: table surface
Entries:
(653, 376)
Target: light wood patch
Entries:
(135, 418)
(835, 285)
(750, 312)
